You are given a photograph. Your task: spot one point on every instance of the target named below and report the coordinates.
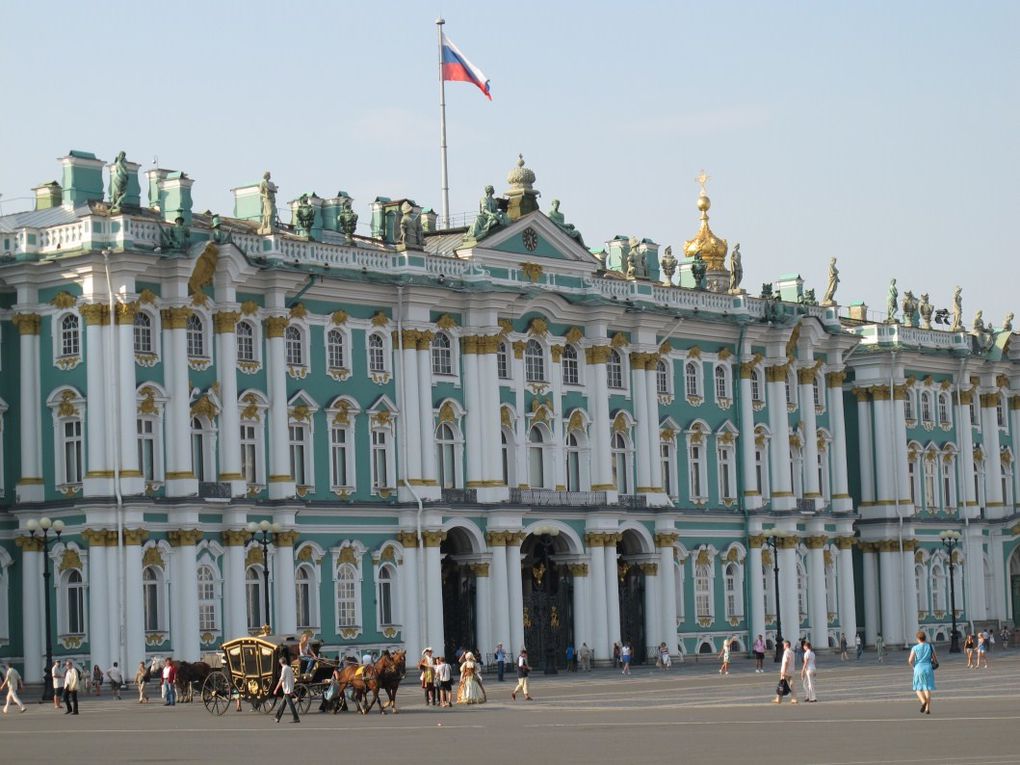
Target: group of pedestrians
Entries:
(436, 677)
(977, 648)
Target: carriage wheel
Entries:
(216, 693)
(302, 698)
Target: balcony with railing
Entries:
(549, 497)
(459, 496)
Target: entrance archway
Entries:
(459, 594)
(631, 577)
(548, 589)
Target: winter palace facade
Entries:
(470, 436)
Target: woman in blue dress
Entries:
(924, 676)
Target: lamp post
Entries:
(261, 533)
(951, 540)
(41, 530)
(773, 540)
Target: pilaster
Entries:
(281, 482)
(30, 483)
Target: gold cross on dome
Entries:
(702, 179)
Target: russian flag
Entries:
(458, 69)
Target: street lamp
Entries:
(264, 530)
(774, 541)
(951, 540)
(41, 530)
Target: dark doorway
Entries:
(548, 589)
(1015, 580)
(632, 609)
(459, 601)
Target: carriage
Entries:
(250, 670)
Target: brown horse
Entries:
(357, 677)
(190, 674)
(389, 671)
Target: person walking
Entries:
(57, 673)
(585, 658)
(759, 654)
(141, 678)
(12, 682)
(523, 670)
(72, 678)
(724, 654)
(880, 648)
(923, 659)
(428, 676)
(842, 646)
(859, 646)
(571, 658)
(616, 654)
(786, 668)
(500, 661)
(625, 655)
(969, 646)
(170, 683)
(286, 685)
(113, 674)
(982, 650)
(97, 679)
(807, 674)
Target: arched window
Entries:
(703, 591)
(938, 588)
(294, 345)
(446, 456)
(690, 379)
(620, 462)
(194, 330)
(536, 458)
(346, 596)
(721, 386)
(384, 595)
(143, 332)
(376, 354)
(335, 349)
(74, 591)
(254, 597)
(569, 366)
(614, 369)
(304, 585)
(245, 335)
(502, 361)
(70, 335)
(152, 599)
(442, 354)
(534, 362)
(926, 407)
(944, 409)
(207, 605)
(734, 590)
(661, 378)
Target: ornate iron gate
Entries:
(632, 609)
(548, 590)
(458, 609)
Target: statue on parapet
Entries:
(411, 235)
(736, 269)
(118, 182)
(909, 309)
(978, 328)
(489, 216)
(178, 237)
(556, 217)
(668, 264)
(830, 290)
(267, 195)
(1007, 323)
(699, 268)
(957, 324)
(219, 234)
(305, 216)
(347, 219)
(891, 300)
(925, 309)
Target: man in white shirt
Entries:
(286, 684)
(113, 674)
(786, 672)
(807, 673)
(57, 673)
(71, 680)
(12, 682)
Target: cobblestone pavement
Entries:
(866, 714)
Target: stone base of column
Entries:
(30, 492)
(181, 487)
(238, 487)
(281, 489)
(493, 494)
(842, 504)
(784, 503)
(431, 493)
(132, 486)
(94, 487)
(657, 498)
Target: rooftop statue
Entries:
(489, 216)
(556, 217)
(830, 289)
(698, 270)
(347, 219)
(979, 323)
(957, 324)
(909, 309)
(118, 182)
(637, 265)
(219, 235)
(177, 237)
(925, 309)
(411, 234)
(305, 216)
(1007, 323)
(736, 269)
(668, 263)
(891, 301)
(267, 193)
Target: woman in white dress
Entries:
(470, 690)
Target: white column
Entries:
(98, 478)
(654, 440)
(667, 589)
(582, 613)
(180, 478)
(1014, 434)
(889, 572)
(515, 588)
(235, 614)
(559, 464)
(434, 592)
(901, 480)
(754, 571)
(100, 598)
(884, 424)
(870, 569)
(965, 489)
(134, 609)
(281, 483)
(225, 323)
(601, 470)
(30, 483)
(999, 580)
(645, 483)
(990, 447)
(909, 591)
(283, 573)
(491, 427)
(612, 590)
(866, 459)
(788, 591)
(817, 611)
(846, 597)
(499, 589)
(653, 622)
(809, 449)
(32, 617)
(752, 497)
(841, 501)
(426, 425)
(409, 598)
(111, 607)
(473, 447)
(974, 575)
(410, 420)
(131, 481)
(601, 644)
(483, 609)
(779, 444)
(184, 588)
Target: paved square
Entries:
(866, 714)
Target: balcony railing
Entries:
(213, 490)
(460, 496)
(548, 497)
(633, 501)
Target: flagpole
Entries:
(444, 220)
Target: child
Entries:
(444, 674)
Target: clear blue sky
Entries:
(882, 133)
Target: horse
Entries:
(357, 677)
(389, 670)
(188, 675)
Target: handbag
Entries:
(783, 688)
(934, 661)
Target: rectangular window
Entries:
(297, 454)
(338, 456)
(503, 362)
(695, 471)
(248, 452)
(666, 462)
(147, 449)
(72, 452)
(380, 478)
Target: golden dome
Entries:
(712, 248)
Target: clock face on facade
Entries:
(530, 237)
